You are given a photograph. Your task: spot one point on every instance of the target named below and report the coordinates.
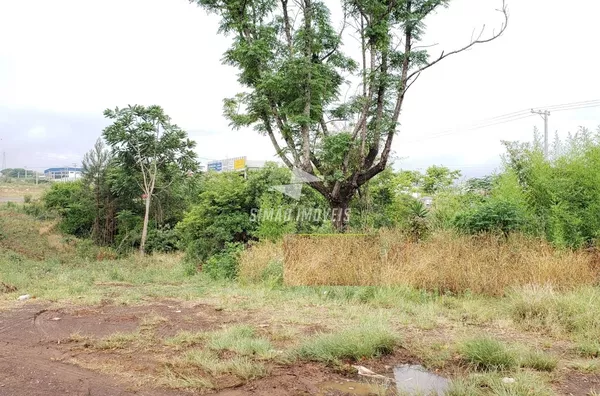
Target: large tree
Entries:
(149, 148)
(296, 76)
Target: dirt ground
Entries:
(46, 350)
(39, 355)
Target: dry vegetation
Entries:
(445, 262)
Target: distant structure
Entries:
(238, 164)
(65, 173)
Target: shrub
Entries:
(224, 265)
(73, 202)
(27, 198)
(491, 216)
(488, 354)
(163, 240)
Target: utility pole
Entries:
(544, 114)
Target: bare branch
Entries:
(478, 40)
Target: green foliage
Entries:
(491, 216)
(564, 191)
(437, 178)
(150, 150)
(221, 215)
(74, 203)
(224, 265)
(417, 220)
(163, 240)
(296, 79)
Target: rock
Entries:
(508, 380)
(371, 374)
(24, 297)
(364, 371)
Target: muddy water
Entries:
(349, 388)
(409, 379)
(414, 379)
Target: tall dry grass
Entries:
(260, 262)
(446, 262)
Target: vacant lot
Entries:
(17, 191)
(155, 326)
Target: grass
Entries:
(538, 360)
(448, 262)
(588, 348)
(185, 339)
(241, 339)
(488, 354)
(525, 384)
(363, 341)
(117, 341)
(586, 366)
(240, 366)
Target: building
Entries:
(65, 173)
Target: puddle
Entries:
(414, 379)
(349, 388)
(409, 379)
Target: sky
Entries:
(63, 62)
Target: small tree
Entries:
(144, 141)
(95, 167)
(437, 178)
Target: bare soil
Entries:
(44, 350)
(38, 354)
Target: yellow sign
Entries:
(239, 163)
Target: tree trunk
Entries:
(340, 214)
(145, 227)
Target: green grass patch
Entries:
(588, 348)
(525, 384)
(241, 339)
(364, 341)
(539, 361)
(487, 354)
(185, 339)
(117, 341)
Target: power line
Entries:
(510, 117)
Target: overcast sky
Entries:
(62, 62)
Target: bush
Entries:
(74, 203)
(491, 216)
(163, 240)
(224, 265)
